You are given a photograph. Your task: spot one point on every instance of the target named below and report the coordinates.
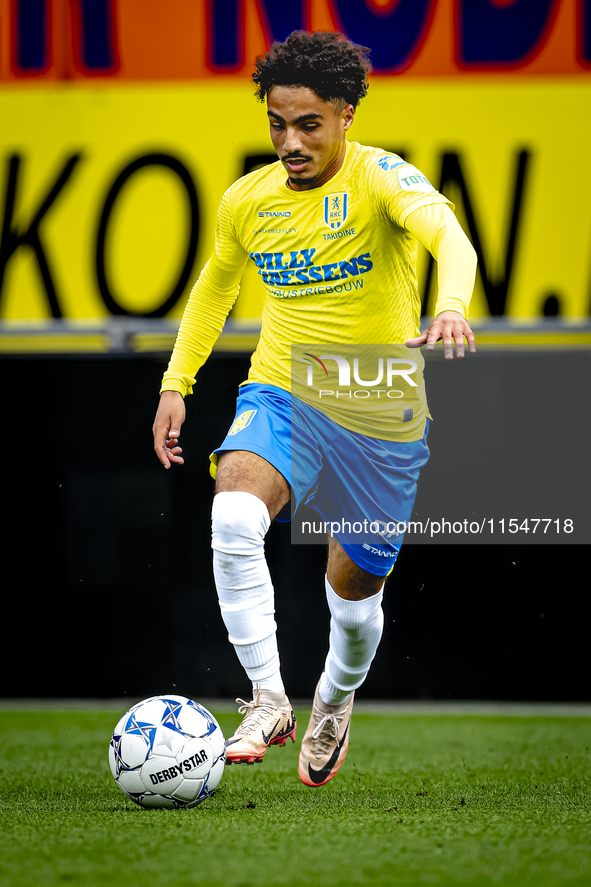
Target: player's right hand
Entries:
(167, 428)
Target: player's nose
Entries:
(293, 142)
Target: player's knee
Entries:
(239, 523)
(354, 616)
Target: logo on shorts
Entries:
(242, 421)
(336, 210)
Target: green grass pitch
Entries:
(421, 799)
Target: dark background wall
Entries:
(107, 579)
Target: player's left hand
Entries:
(451, 327)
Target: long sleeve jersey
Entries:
(338, 268)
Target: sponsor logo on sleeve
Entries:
(388, 162)
(411, 179)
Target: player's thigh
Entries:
(239, 470)
(349, 580)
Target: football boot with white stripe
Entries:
(268, 720)
(325, 744)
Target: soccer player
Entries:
(332, 228)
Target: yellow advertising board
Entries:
(120, 130)
(110, 195)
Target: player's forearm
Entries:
(209, 304)
(437, 228)
(456, 273)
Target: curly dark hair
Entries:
(326, 62)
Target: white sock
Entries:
(245, 591)
(355, 632)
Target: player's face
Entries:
(307, 134)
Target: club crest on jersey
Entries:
(242, 421)
(335, 210)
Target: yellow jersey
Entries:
(338, 268)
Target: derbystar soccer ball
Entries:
(167, 751)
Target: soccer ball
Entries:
(167, 751)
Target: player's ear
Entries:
(347, 115)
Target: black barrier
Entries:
(108, 587)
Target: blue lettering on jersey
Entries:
(289, 269)
(337, 235)
(297, 259)
(318, 290)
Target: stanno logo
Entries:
(274, 215)
(336, 210)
